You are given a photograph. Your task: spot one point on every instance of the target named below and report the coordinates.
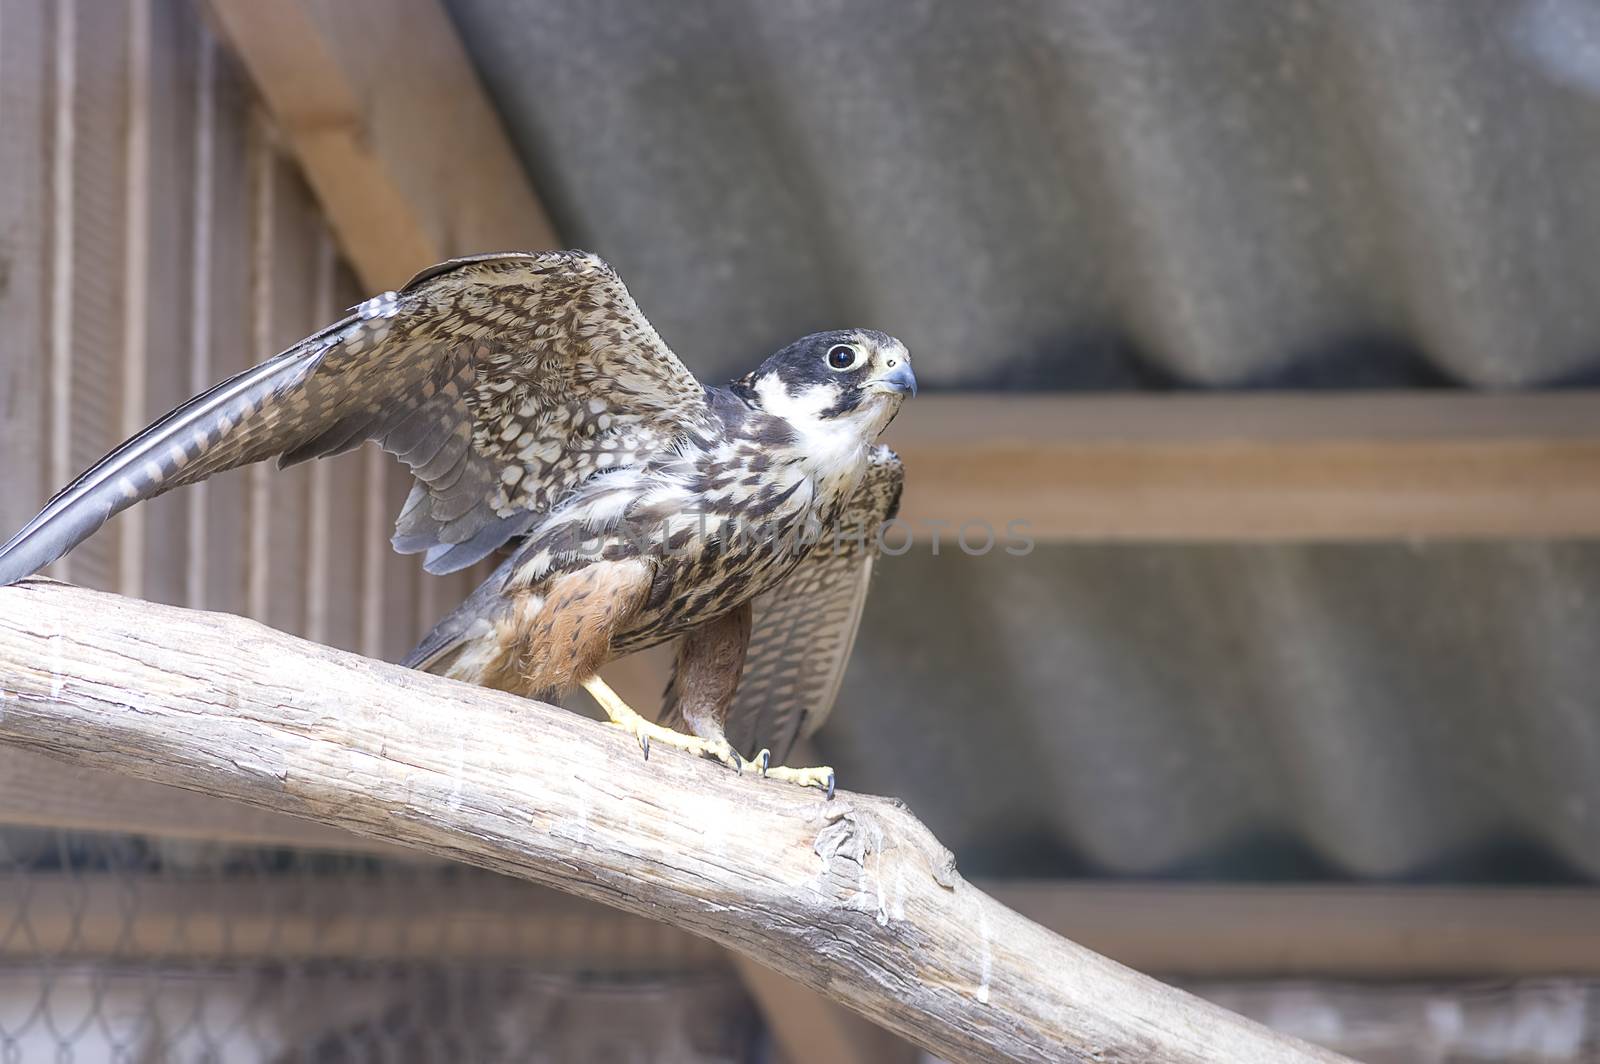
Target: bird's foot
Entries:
(820, 776)
(648, 734)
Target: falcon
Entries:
(541, 415)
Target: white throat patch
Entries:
(834, 450)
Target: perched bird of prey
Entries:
(538, 408)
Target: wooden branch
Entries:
(385, 113)
(1360, 466)
(37, 791)
(852, 897)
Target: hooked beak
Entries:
(899, 380)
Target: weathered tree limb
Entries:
(852, 897)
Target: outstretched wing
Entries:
(806, 626)
(503, 381)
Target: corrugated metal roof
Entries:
(1086, 194)
(1082, 193)
(1382, 711)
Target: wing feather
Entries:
(499, 380)
(806, 627)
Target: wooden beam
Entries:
(1259, 467)
(1187, 932)
(852, 896)
(382, 107)
(75, 918)
(1356, 932)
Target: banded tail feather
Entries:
(471, 622)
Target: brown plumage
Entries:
(543, 644)
(537, 408)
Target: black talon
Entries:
(738, 763)
(644, 741)
(830, 787)
(766, 761)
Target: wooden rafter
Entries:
(1266, 468)
(1217, 930)
(80, 918)
(385, 113)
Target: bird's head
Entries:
(845, 379)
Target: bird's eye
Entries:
(844, 356)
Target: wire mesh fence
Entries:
(137, 949)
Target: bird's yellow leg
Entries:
(623, 716)
(819, 776)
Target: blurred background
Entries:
(1270, 320)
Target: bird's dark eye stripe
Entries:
(842, 356)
